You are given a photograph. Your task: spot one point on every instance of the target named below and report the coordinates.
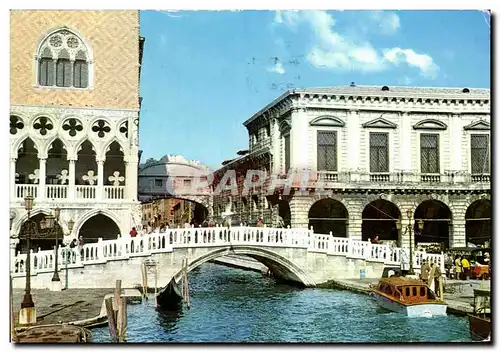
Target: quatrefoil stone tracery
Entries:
(124, 129)
(43, 124)
(72, 42)
(101, 128)
(15, 124)
(73, 126)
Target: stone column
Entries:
(41, 181)
(71, 180)
(12, 172)
(100, 180)
(299, 211)
(131, 179)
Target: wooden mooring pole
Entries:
(116, 310)
(185, 282)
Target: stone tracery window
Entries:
(63, 60)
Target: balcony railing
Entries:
(56, 191)
(86, 192)
(328, 176)
(26, 190)
(114, 192)
(380, 177)
(430, 178)
(480, 178)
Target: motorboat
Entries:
(409, 296)
(480, 319)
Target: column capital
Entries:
(100, 161)
(42, 159)
(13, 159)
(72, 161)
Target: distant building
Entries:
(74, 116)
(379, 151)
(165, 189)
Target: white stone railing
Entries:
(114, 192)
(23, 190)
(86, 192)
(56, 191)
(125, 247)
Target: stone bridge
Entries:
(297, 255)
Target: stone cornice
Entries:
(69, 110)
(400, 99)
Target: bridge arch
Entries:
(278, 264)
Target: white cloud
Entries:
(290, 18)
(387, 22)
(422, 61)
(334, 50)
(277, 68)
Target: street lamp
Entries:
(67, 251)
(420, 223)
(27, 315)
(52, 222)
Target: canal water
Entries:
(233, 305)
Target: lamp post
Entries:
(409, 214)
(52, 222)
(27, 314)
(67, 252)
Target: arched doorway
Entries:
(478, 222)
(99, 226)
(379, 219)
(329, 215)
(284, 212)
(45, 239)
(437, 218)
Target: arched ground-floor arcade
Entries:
(448, 219)
(105, 221)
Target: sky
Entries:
(205, 72)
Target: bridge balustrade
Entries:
(125, 247)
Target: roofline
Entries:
(270, 105)
(310, 90)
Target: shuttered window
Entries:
(379, 152)
(80, 74)
(429, 153)
(327, 151)
(46, 72)
(63, 73)
(480, 153)
(287, 152)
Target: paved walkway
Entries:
(63, 307)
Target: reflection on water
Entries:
(231, 305)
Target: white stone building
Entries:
(175, 177)
(380, 152)
(74, 119)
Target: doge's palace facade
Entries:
(74, 117)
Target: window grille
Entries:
(327, 151)
(379, 152)
(480, 153)
(80, 74)
(429, 153)
(63, 73)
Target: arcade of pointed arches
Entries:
(92, 225)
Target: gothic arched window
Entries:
(63, 60)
